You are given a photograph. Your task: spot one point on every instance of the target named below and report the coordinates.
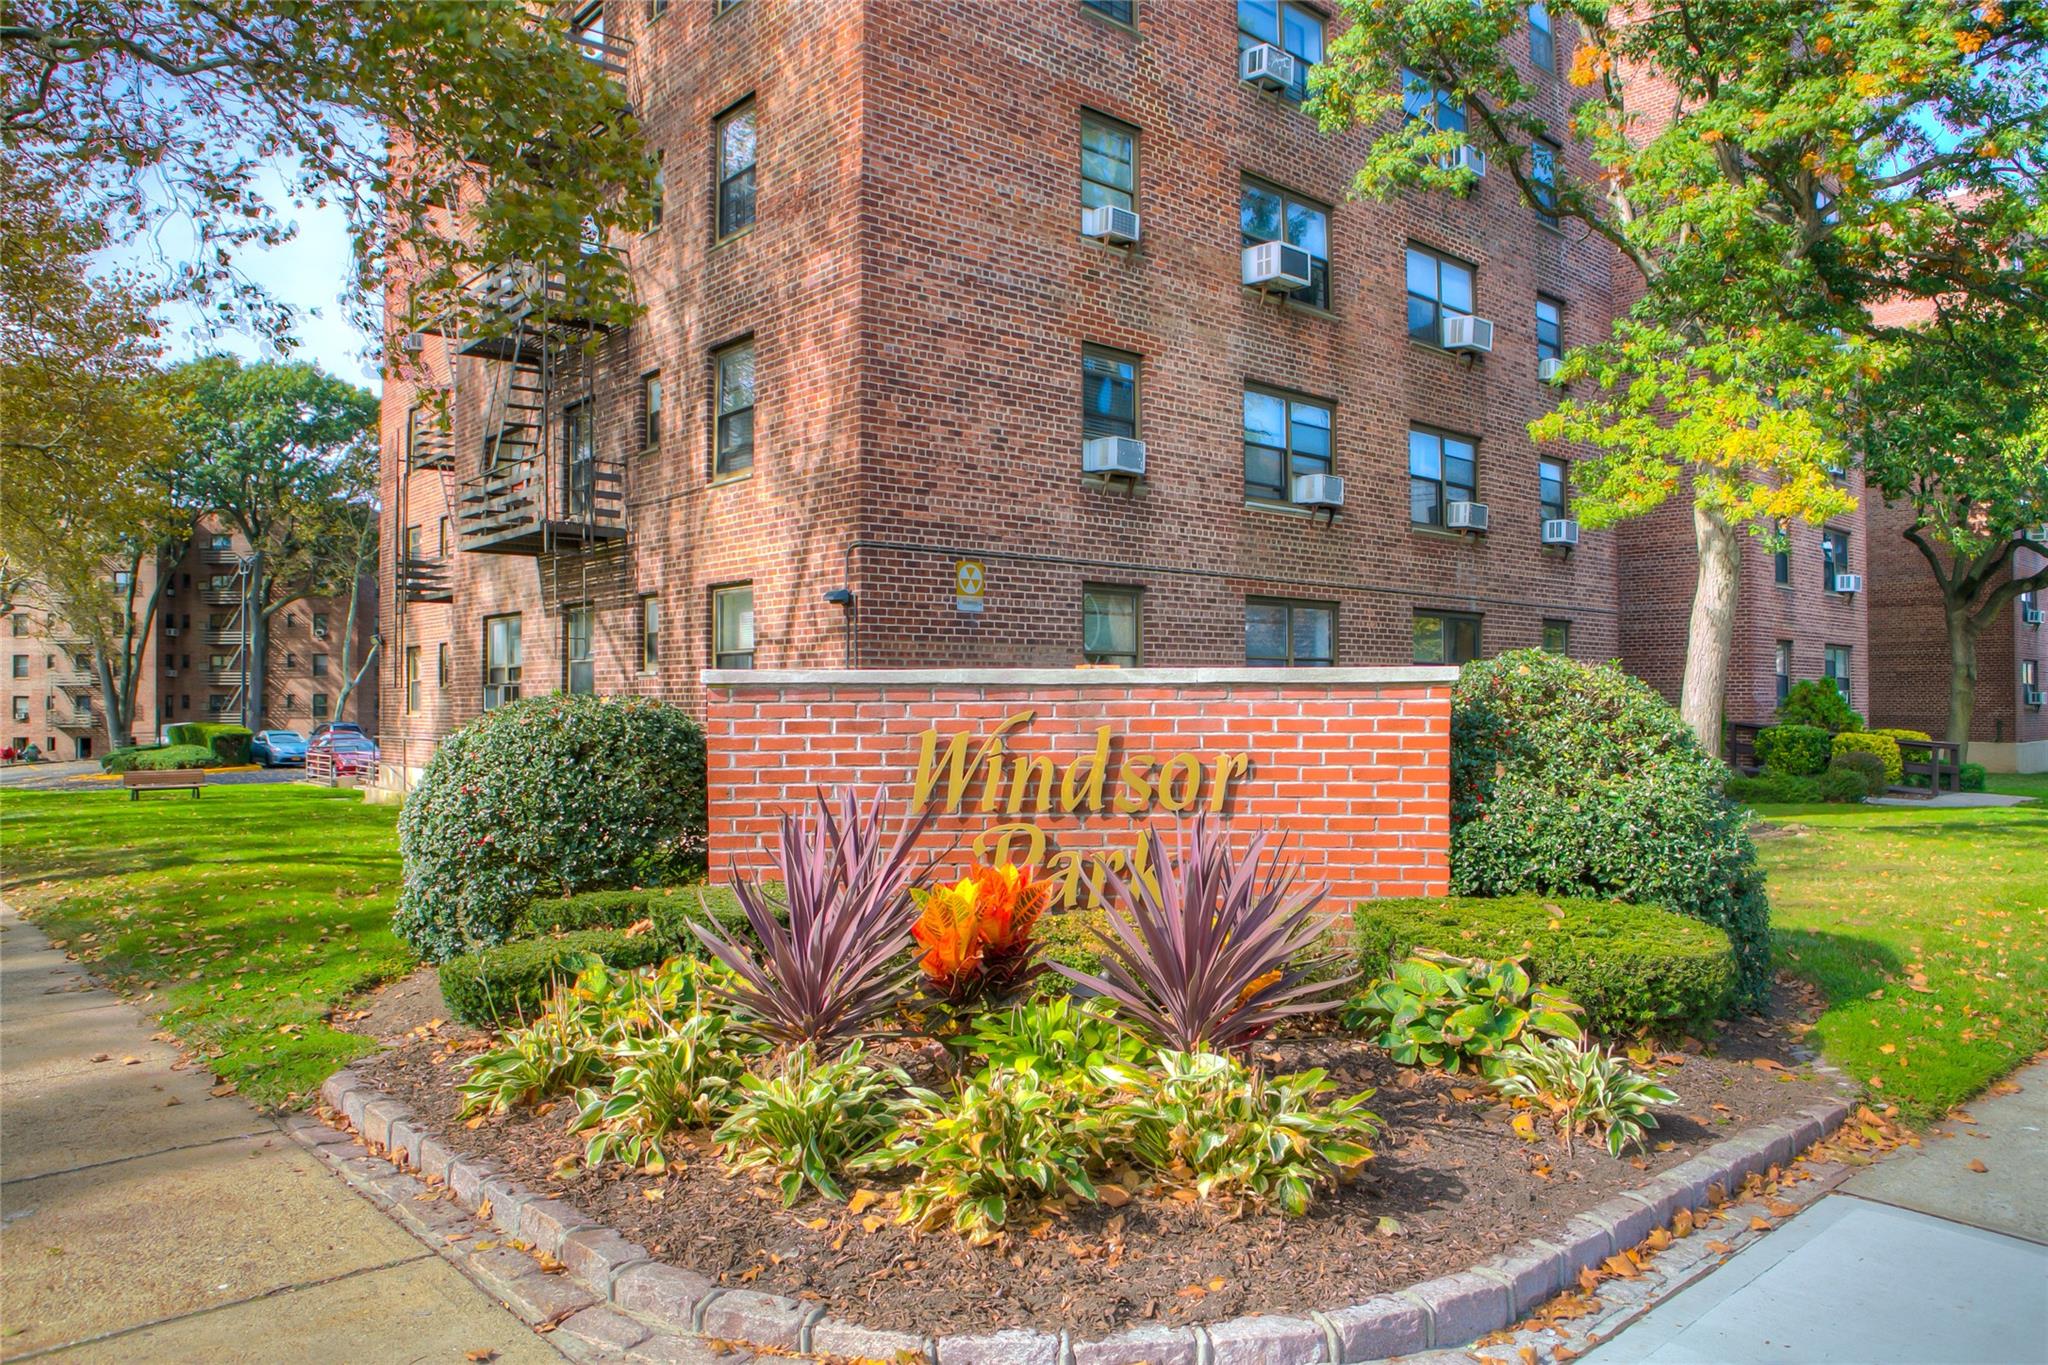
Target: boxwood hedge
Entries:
(545, 796)
(1632, 967)
(156, 758)
(1572, 779)
(228, 742)
(511, 981)
(1795, 750)
(669, 907)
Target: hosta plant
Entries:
(1010, 1135)
(684, 1073)
(1060, 1036)
(1206, 1121)
(1212, 949)
(1584, 1089)
(840, 960)
(808, 1120)
(1437, 1009)
(975, 937)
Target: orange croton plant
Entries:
(975, 935)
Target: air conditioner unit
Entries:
(1323, 492)
(1463, 333)
(1556, 530)
(1547, 368)
(1465, 516)
(413, 343)
(1848, 582)
(2033, 616)
(1466, 158)
(1276, 266)
(170, 630)
(2032, 696)
(2037, 534)
(1266, 67)
(1113, 457)
(1117, 226)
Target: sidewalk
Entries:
(1920, 1258)
(143, 1218)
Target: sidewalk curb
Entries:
(611, 1286)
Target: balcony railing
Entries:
(220, 554)
(229, 635)
(517, 509)
(424, 579)
(220, 595)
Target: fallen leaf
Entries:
(1978, 1166)
(481, 1353)
(1719, 1248)
(1524, 1126)
(816, 1224)
(1681, 1223)
(483, 1210)
(1780, 1209)
(1761, 1225)
(1389, 1227)
(1116, 1196)
(872, 1223)
(862, 1199)
(654, 1196)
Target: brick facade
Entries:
(1353, 765)
(919, 297)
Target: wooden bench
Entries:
(1932, 759)
(178, 779)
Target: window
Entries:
(732, 627)
(650, 410)
(1542, 38)
(412, 678)
(1781, 667)
(1441, 469)
(20, 626)
(1269, 215)
(1543, 180)
(1430, 104)
(412, 542)
(1557, 637)
(319, 625)
(216, 703)
(1445, 638)
(736, 171)
(1437, 285)
(1109, 163)
(1283, 439)
(1549, 329)
(1280, 634)
(221, 542)
(124, 580)
(733, 438)
(441, 539)
(579, 452)
(1834, 557)
(719, 7)
(319, 705)
(1553, 497)
(1292, 28)
(1835, 663)
(1122, 11)
(21, 709)
(220, 663)
(1109, 393)
(650, 633)
(441, 665)
(503, 656)
(1111, 625)
(660, 192)
(656, 9)
(579, 672)
(21, 665)
(319, 665)
(1781, 565)
(2030, 684)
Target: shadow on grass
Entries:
(1843, 966)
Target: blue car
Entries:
(278, 748)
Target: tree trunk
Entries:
(1711, 632)
(1962, 671)
(120, 728)
(257, 647)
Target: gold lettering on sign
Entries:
(949, 769)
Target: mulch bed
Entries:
(1452, 1184)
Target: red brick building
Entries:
(850, 428)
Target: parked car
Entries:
(346, 727)
(351, 752)
(278, 748)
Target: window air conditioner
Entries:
(2037, 534)
(1323, 492)
(1266, 67)
(1547, 368)
(1465, 516)
(1113, 457)
(1848, 582)
(2033, 696)
(2033, 616)
(1276, 266)
(1464, 333)
(413, 343)
(1117, 226)
(1465, 158)
(1557, 531)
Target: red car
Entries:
(351, 754)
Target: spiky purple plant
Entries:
(841, 959)
(1216, 952)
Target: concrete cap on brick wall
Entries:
(1407, 675)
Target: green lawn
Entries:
(1927, 930)
(244, 918)
(2019, 784)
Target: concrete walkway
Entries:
(1951, 801)
(144, 1218)
(1921, 1258)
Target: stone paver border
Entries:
(608, 1299)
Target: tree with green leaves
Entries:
(1766, 172)
(1956, 430)
(173, 111)
(282, 453)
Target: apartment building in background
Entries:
(193, 658)
(1102, 365)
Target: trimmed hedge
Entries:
(511, 982)
(155, 758)
(1867, 766)
(1780, 789)
(671, 908)
(1571, 779)
(1631, 967)
(1970, 777)
(1816, 702)
(1795, 750)
(228, 742)
(1885, 747)
(1843, 784)
(546, 796)
(1897, 733)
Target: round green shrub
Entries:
(1572, 779)
(1630, 967)
(1970, 777)
(510, 982)
(1817, 702)
(1897, 733)
(1781, 789)
(1843, 784)
(1867, 766)
(553, 794)
(1795, 750)
(1884, 747)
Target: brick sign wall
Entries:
(1063, 768)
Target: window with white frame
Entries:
(504, 658)
(1549, 329)
(579, 664)
(732, 627)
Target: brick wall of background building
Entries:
(1354, 770)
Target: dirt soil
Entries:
(1451, 1185)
